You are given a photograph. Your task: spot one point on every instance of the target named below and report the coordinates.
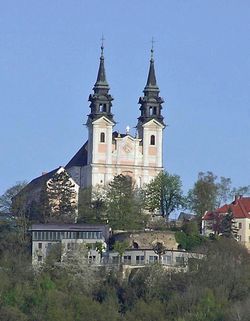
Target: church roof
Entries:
(38, 181)
(80, 158)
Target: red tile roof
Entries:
(240, 208)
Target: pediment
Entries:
(153, 123)
(103, 121)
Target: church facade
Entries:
(108, 153)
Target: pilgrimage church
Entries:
(108, 153)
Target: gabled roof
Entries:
(80, 158)
(40, 180)
(240, 208)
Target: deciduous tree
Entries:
(164, 194)
(124, 204)
(6, 198)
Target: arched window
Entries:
(150, 111)
(102, 108)
(154, 111)
(102, 137)
(152, 140)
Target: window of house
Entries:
(249, 226)
(139, 259)
(102, 137)
(153, 258)
(179, 260)
(152, 140)
(167, 259)
(40, 245)
(127, 259)
(39, 258)
(248, 238)
(240, 225)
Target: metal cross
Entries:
(152, 47)
(102, 43)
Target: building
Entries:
(69, 237)
(240, 208)
(28, 200)
(86, 237)
(108, 153)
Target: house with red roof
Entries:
(240, 208)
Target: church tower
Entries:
(150, 123)
(107, 153)
(100, 125)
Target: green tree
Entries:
(203, 196)
(124, 204)
(91, 206)
(99, 248)
(159, 248)
(228, 225)
(209, 192)
(120, 248)
(62, 198)
(164, 194)
(9, 194)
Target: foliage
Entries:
(228, 225)
(6, 198)
(217, 289)
(91, 206)
(159, 249)
(203, 196)
(164, 194)
(189, 237)
(61, 196)
(208, 193)
(124, 204)
(120, 247)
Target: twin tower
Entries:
(108, 153)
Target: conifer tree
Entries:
(62, 198)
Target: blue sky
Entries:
(49, 55)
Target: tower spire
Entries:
(101, 81)
(151, 101)
(151, 84)
(101, 100)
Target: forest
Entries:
(214, 289)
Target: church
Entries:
(108, 153)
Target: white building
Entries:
(69, 237)
(108, 153)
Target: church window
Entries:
(102, 108)
(152, 140)
(102, 138)
(154, 111)
(150, 111)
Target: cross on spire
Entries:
(152, 47)
(102, 44)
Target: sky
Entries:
(49, 56)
